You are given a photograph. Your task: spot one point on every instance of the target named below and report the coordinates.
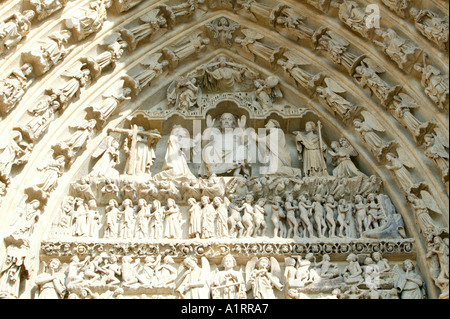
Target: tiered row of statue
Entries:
(106, 276)
(212, 208)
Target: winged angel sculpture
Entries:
(436, 145)
(341, 153)
(153, 68)
(253, 48)
(152, 22)
(398, 165)
(87, 21)
(194, 281)
(367, 74)
(107, 154)
(262, 276)
(330, 94)
(222, 30)
(366, 128)
(423, 206)
(184, 93)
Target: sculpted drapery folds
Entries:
(14, 87)
(311, 148)
(14, 29)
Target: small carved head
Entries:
(310, 126)
(54, 264)
(229, 262)
(190, 262)
(227, 120)
(263, 263)
(352, 258)
(408, 265)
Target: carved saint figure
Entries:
(195, 219)
(409, 283)
(72, 88)
(367, 75)
(153, 69)
(274, 153)
(86, 21)
(107, 58)
(435, 83)
(49, 53)
(306, 80)
(366, 128)
(142, 220)
(178, 155)
(76, 141)
(400, 7)
(208, 218)
(172, 220)
(157, 221)
(262, 276)
(14, 29)
(435, 150)
(194, 281)
(228, 283)
(43, 114)
(51, 283)
(151, 23)
(14, 151)
(222, 217)
(225, 150)
(112, 213)
(356, 18)
(397, 166)
(439, 248)
(108, 154)
(183, 93)
(341, 153)
(338, 104)
(111, 102)
(266, 93)
(140, 147)
(402, 108)
(127, 221)
(432, 26)
(49, 179)
(195, 44)
(400, 50)
(13, 88)
(427, 225)
(14, 270)
(255, 48)
(313, 154)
